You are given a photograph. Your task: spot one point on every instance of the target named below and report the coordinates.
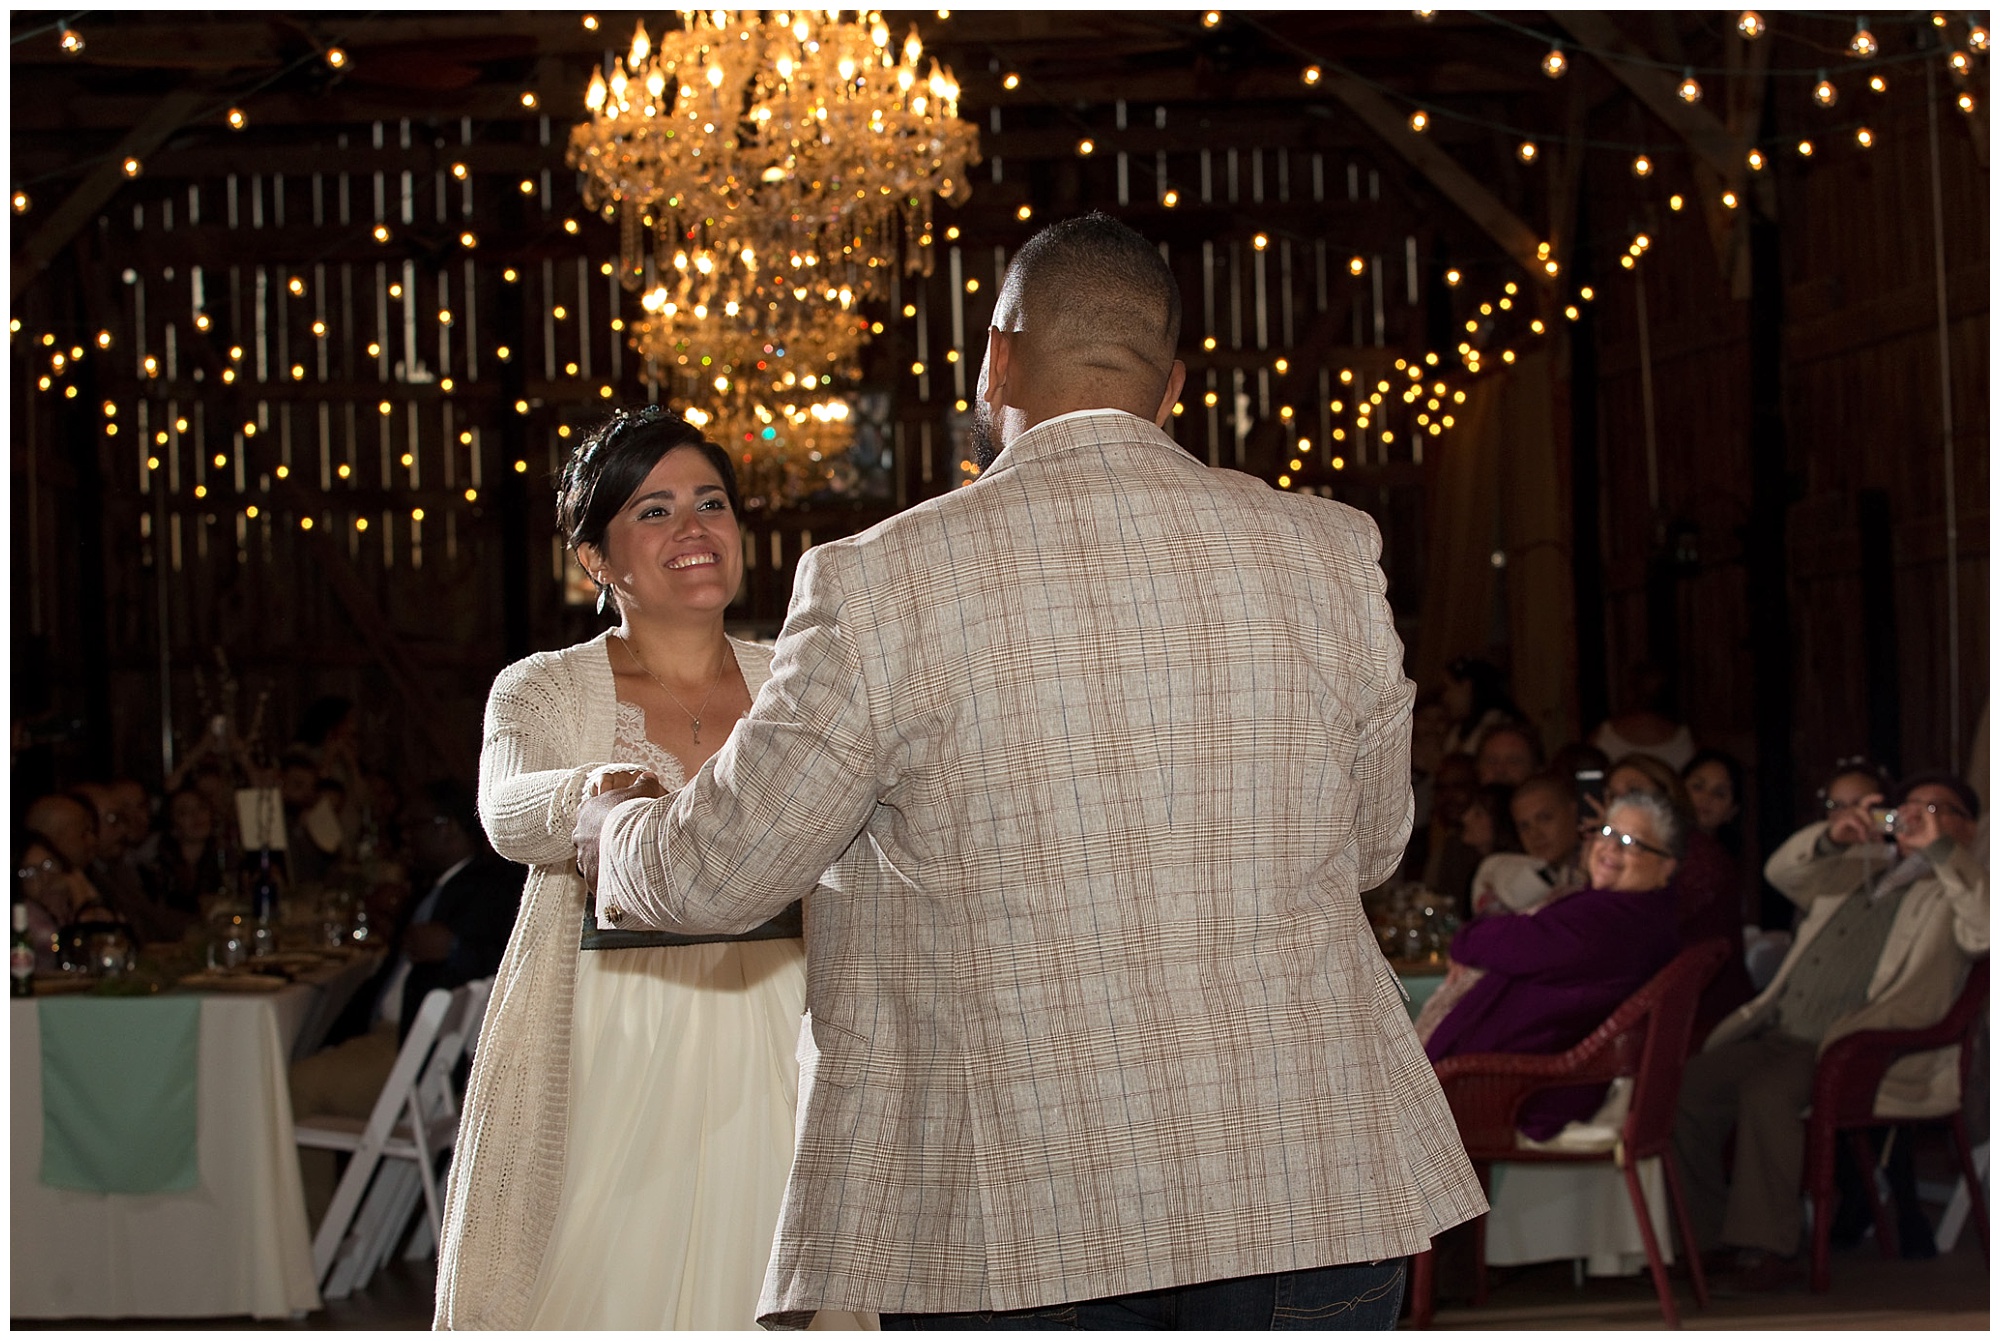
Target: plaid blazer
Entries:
(1096, 755)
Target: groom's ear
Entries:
(1000, 363)
(1175, 381)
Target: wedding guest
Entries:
(1475, 695)
(1549, 865)
(118, 881)
(1707, 886)
(188, 865)
(1889, 934)
(1546, 979)
(1508, 755)
(56, 895)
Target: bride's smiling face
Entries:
(674, 547)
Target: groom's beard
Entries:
(985, 435)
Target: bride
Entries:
(629, 1122)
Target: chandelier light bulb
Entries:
(1690, 88)
(1527, 151)
(1824, 93)
(1751, 24)
(642, 47)
(1555, 65)
(1642, 166)
(1863, 44)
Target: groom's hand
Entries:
(590, 817)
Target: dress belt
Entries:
(787, 925)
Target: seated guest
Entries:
(56, 895)
(1714, 782)
(313, 835)
(188, 866)
(1888, 937)
(455, 932)
(120, 882)
(1550, 864)
(1707, 888)
(1475, 695)
(1508, 755)
(1446, 864)
(1547, 979)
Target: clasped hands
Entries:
(607, 789)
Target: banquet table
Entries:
(237, 1242)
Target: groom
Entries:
(1096, 756)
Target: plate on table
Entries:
(211, 980)
(291, 961)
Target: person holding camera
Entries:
(1895, 912)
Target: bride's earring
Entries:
(603, 594)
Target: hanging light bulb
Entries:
(1824, 93)
(1864, 137)
(1527, 151)
(1976, 38)
(1960, 63)
(1755, 159)
(1967, 103)
(71, 42)
(1555, 65)
(336, 57)
(1863, 44)
(1877, 84)
(1690, 88)
(1642, 166)
(1805, 148)
(1729, 200)
(236, 118)
(1311, 75)
(1420, 121)
(1751, 24)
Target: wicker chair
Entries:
(1844, 1085)
(1646, 1039)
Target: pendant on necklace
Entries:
(697, 730)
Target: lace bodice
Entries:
(633, 747)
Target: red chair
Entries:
(1646, 1039)
(1844, 1086)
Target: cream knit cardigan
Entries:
(550, 721)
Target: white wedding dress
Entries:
(683, 1087)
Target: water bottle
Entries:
(264, 904)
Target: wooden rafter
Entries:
(1709, 138)
(1442, 171)
(96, 189)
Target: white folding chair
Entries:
(393, 1155)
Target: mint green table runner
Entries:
(1420, 986)
(118, 1093)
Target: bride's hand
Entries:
(590, 817)
(615, 777)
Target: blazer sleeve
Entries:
(1801, 873)
(788, 792)
(1386, 806)
(529, 784)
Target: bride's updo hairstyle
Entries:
(610, 464)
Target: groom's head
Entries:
(1087, 319)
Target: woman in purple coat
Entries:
(1551, 977)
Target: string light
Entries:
(1170, 199)
(590, 23)
(1729, 200)
(132, 167)
(1689, 91)
(1085, 148)
(1976, 38)
(336, 57)
(1356, 265)
(1211, 18)
(20, 202)
(1966, 103)
(468, 239)
(71, 41)
(528, 100)
(1864, 137)
(1751, 24)
(1527, 151)
(237, 121)
(1805, 148)
(1755, 158)
(381, 232)
(1824, 93)
(1877, 84)
(1420, 121)
(1862, 45)
(1011, 81)
(1960, 62)
(1027, 212)
(1642, 166)
(1937, 19)
(1312, 75)
(1451, 278)
(1555, 65)
(1260, 242)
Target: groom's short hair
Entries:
(1098, 295)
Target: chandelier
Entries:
(766, 172)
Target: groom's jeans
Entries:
(1360, 1297)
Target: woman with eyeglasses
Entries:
(628, 1128)
(1550, 977)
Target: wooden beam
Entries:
(1442, 171)
(1708, 137)
(97, 188)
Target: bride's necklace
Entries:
(693, 717)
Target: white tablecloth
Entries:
(238, 1243)
(1553, 1212)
